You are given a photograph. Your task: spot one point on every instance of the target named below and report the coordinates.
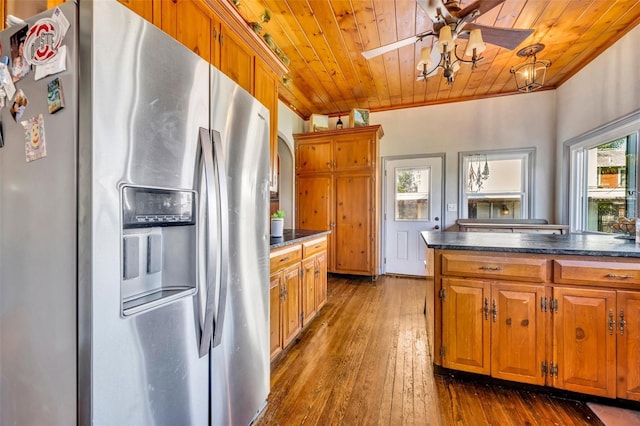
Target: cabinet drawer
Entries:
(281, 258)
(309, 248)
(595, 272)
(516, 268)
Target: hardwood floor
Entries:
(365, 360)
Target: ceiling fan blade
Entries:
(368, 54)
(509, 38)
(435, 9)
(482, 6)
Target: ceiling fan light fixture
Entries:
(475, 42)
(530, 75)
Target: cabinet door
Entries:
(314, 157)
(352, 153)
(266, 91)
(629, 345)
(143, 8)
(585, 340)
(275, 324)
(291, 309)
(193, 28)
(517, 333)
(321, 280)
(313, 202)
(308, 290)
(236, 59)
(353, 234)
(466, 325)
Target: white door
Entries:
(413, 203)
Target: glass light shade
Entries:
(445, 40)
(475, 42)
(530, 75)
(425, 59)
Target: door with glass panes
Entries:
(413, 203)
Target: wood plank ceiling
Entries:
(323, 40)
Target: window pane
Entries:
(412, 193)
(611, 185)
(495, 208)
(496, 184)
(493, 176)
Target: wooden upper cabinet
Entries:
(314, 157)
(143, 8)
(236, 59)
(354, 153)
(266, 91)
(585, 340)
(193, 28)
(166, 16)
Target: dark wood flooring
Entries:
(365, 361)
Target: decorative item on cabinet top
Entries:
(318, 122)
(359, 117)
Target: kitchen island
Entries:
(298, 283)
(550, 310)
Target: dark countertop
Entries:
(293, 236)
(569, 244)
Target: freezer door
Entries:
(38, 251)
(140, 128)
(240, 356)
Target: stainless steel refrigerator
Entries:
(134, 240)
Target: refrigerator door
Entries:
(38, 252)
(139, 127)
(240, 369)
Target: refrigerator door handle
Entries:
(206, 165)
(221, 173)
(215, 183)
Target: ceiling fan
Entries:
(450, 22)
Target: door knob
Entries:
(436, 227)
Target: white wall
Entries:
(605, 90)
(289, 123)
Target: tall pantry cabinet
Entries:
(338, 189)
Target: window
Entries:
(412, 193)
(604, 183)
(496, 184)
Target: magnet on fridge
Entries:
(19, 65)
(55, 99)
(19, 106)
(34, 142)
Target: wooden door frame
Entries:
(383, 199)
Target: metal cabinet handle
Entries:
(623, 323)
(622, 277)
(486, 308)
(612, 322)
(495, 311)
(491, 268)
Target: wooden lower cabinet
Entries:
(628, 345)
(297, 291)
(493, 328)
(585, 340)
(578, 331)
